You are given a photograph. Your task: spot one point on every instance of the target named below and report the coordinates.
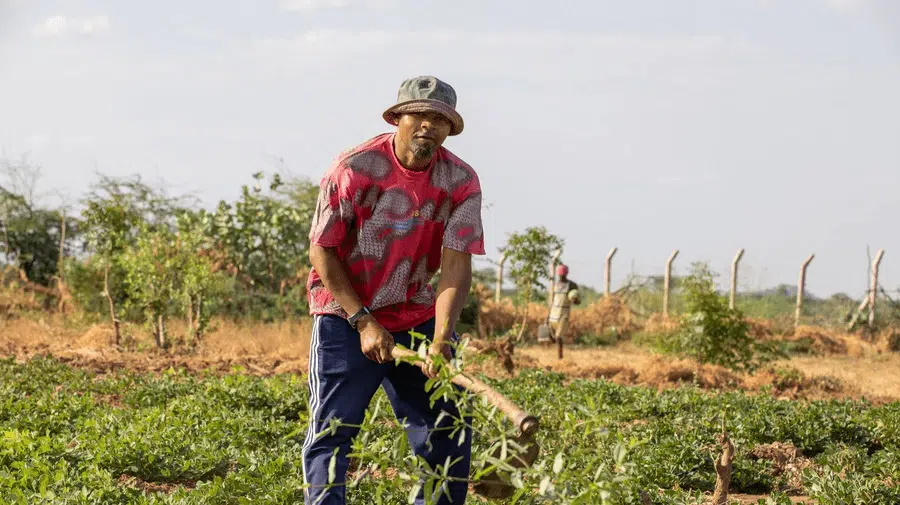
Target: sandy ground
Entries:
(872, 374)
(284, 347)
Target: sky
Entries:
(648, 125)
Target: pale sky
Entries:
(702, 125)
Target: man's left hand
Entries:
(436, 349)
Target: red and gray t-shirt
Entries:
(389, 224)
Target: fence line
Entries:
(868, 301)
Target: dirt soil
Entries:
(283, 348)
(818, 377)
(747, 499)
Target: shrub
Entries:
(712, 332)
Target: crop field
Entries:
(74, 432)
(155, 352)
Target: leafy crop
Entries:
(712, 332)
(175, 438)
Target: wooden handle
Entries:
(527, 423)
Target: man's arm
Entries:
(452, 291)
(326, 263)
(375, 341)
(453, 288)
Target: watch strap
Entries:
(355, 317)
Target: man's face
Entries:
(423, 132)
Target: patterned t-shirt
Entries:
(389, 224)
(561, 305)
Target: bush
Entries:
(712, 332)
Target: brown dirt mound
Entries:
(760, 329)
(822, 342)
(617, 373)
(101, 362)
(595, 319)
(788, 382)
(656, 323)
(889, 340)
(665, 373)
(98, 337)
(607, 313)
(787, 461)
(502, 348)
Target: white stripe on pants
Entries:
(314, 400)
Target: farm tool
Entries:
(524, 447)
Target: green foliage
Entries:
(528, 255)
(67, 436)
(30, 234)
(162, 258)
(165, 276)
(710, 331)
(262, 239)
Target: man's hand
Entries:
(436, 349)
(377, 343)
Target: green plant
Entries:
(528, 255)
(70, 437)
(712, 332)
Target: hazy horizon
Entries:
(767, 125)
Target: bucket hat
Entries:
(426, 93)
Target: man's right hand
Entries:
(377, 343)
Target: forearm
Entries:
(330, 269)
(453, 289)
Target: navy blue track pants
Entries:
(342, 382)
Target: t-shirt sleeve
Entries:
(464, 231)
(334, 214)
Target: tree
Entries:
(262, 239)
(711, 331)
(32, 235)
(165, 277)
(198, 282)
(528, 255)
(116, 210)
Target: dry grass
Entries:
(874, 374)
(859, 368)
(870, 375)
(287, 340)
(260, 349)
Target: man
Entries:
(561, 304)
(390, 212)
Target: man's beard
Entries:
(422, 151)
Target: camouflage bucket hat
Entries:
(426, 94)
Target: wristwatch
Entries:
(355, 317)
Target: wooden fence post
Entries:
(801, 286)
(734, 277)
(667, 283)
(607, 269)
(62, 246)
(873, 287)
(499, 286)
